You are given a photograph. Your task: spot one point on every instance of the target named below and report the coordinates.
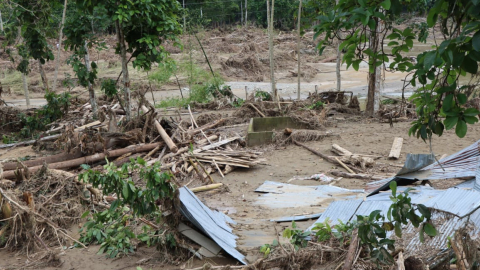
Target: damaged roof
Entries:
(211, 223)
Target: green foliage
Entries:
(342, 232)
(263, 95)
(267, 248)
(389, 101)
(296, 236)
(57, 106)
(109, 87)
(439, 98)
(316, 106)
(139, 190)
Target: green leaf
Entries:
(424, 211)
(450, 122)
(393, 187)
(476, 41)
(462, 98)
(429, 59)
(470, 65)
(471, 112)
(398, 229)
(447, 102)
(429, 229)
(461, 129)
(125, 191)
(386, 4)
(85, 214)
(470, 119)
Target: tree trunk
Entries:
(25, 89)
(299, 40)
(241, 12)
(126, 77)
(246, 12)
(43, 75)
(91, 92)
(339, 62)
(270, 17)
(378, 72)
(372, 75)
(59, 49)
(1, 21)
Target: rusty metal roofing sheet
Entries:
(211, 223)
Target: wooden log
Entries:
(337, 149)
(396, 148)
(351, 158)
(39, 161)
(400, 261)
(171, 145)
(205, 127)
(329, 59)
(206, 188)
(89, 159)
(352, 250)
(357, 175)
(327, 158)
(256, 109)
(186, 148)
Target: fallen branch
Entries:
(344, 166)
(327, 158)
(205, 127)
(171, 145)
(255, 108)
(352, 249)
(89, 159)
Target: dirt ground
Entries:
(231, 53)
(241, 202)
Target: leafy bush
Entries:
(265, 96)
(139, 190)
(297, 237)
(57, 106)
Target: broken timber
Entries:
(396, 148)
(171, 145)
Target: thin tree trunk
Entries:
(270, 47)
(60, 37)
(372, 75)
(246, 12)
(126, 77)
(299, 40)
(378, 72)
(1, 21)
(184, 20)
(241, 12)
(339, 62)
(25, 89)
(91, 92)
(42, 74)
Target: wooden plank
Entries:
(396, 148)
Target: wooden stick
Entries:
(39, 161)
(206, 188)
(205, 127)
(171, 145)
(344, 166)
(259, 112)
(327, 158)
(218, 168)
(400, 261)
(89, 159)
(352, 249)
(396, 148)
(193, 119)
(357, 175)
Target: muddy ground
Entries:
(240, 56)
(284, 162)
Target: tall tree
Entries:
(142, 26)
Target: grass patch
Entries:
(14, 81)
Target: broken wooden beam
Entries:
(205, 127)
(171, 145)
(206, 187)
(396, 148)
(327, 158)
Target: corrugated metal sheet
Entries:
(281, 195)
(459, 202)
(211, 223)
(464, 163)
(297, 218)
(338, 210)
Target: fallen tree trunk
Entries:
(171, 145)
(39, 161)
(357, 175)
(352, 250)
(327, 158)
(351, 158)
(89, 159)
